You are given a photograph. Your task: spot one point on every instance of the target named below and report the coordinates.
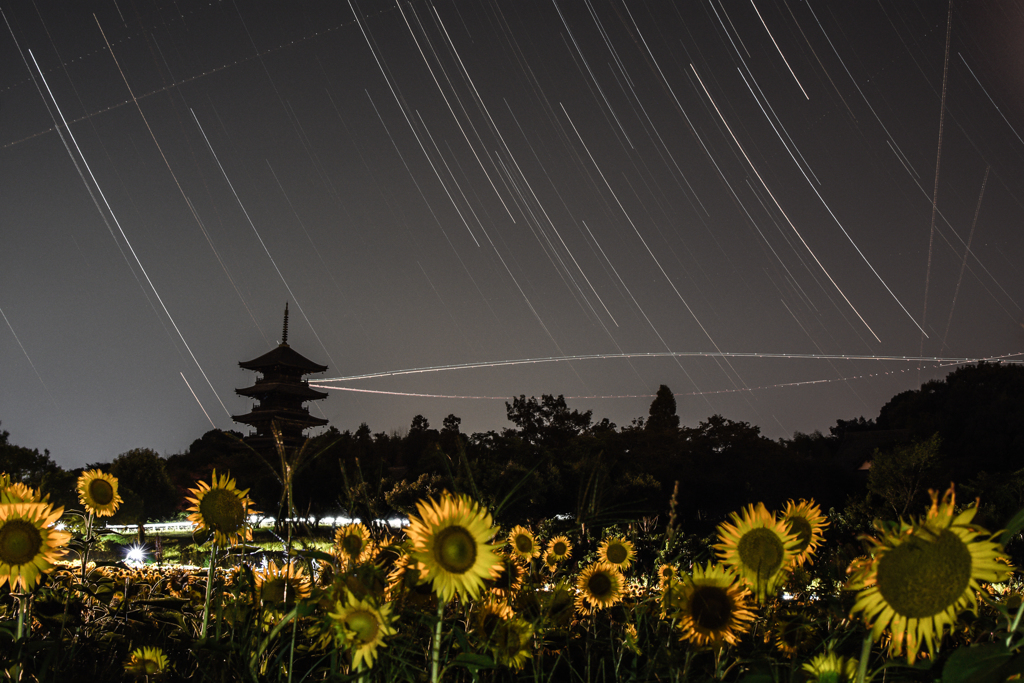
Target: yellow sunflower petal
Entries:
(616, 551)
(29, 545)
(523, 543)
(806, 520)
(599, 585)
(759, 547)
(922, 574)
(97, 491)
(451, 539)
(222, 509)
(361, 626)
(710, 607)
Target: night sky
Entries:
(436, 183)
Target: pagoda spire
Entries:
(284, 332)
(279, 414)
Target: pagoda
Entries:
(280, 393)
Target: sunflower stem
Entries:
(1013, 627)
(291, 654)
(435, 647)
(865, 652)
(88, 544)
(22, 599)
(209, 589)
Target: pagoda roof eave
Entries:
(283, 356)
(296, 390)
(258, 417)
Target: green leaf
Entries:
(757, 677)
(474, 662)
(978, 664)
(310, 554)
(165, 603)
(1013, 527)
(515, 488)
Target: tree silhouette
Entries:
(146, 488)
(662, 412)
(901, 475)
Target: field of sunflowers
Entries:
(452, 597)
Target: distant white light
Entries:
(59, 526)
(136, 554)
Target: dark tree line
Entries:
(553, 460)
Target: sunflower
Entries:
(667, 575)
(147, 661)
(921, 574)
(508, 578)
(631, 640)
(832, 668)
(489, 612)
(352, 543)
(550, 562)
(759, 547)
(97, 491)
(560, 548)
(806, 521)
(221, 508)
(510, 643)
(711, 606)
(279, 587)
(557, 605)
(450, 538)
(616, 551)
(405, 575)
(793, 631)
(361, 626)
(28, 544)
(22, 493)
(599, 585)
(523, 543)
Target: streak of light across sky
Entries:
(675, 354)
(432, 185)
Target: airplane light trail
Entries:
(672, 354)
(780, 385)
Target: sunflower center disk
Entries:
(352, 545)
(221, 509)
(559, 548)
(273, 591)
(921, 578)
(802, 528)
(600, 585)
(363, 624)
(511, 637)
(711, 608)
(617, 553)
(524, 544)
(20, 541)
(762, 550)
(101, 491)
(455, 550)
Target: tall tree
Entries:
(24, 465)
(547, 422)
(902, 475)
(146, 488)
(663, 412)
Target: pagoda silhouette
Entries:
(280, 393)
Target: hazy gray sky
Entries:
(438, 184)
